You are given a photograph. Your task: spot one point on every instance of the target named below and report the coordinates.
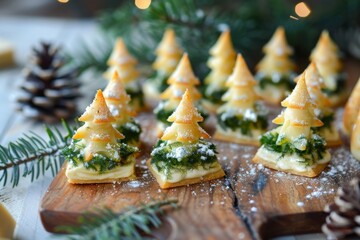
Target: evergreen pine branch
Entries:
(131, 223)
(32, 155)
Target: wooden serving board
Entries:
(251, 202)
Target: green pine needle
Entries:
(131, 223)
(32, 155)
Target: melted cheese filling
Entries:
(290, 161)
(177, 176)
(79, 172)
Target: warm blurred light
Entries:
(142, 4)
(63, 1)
(302, 10)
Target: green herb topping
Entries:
(314, 151)
(276, 80)
(214, 97)
(116, 155)
(131, 131)
(182, 157)
(246, 122)
(136, 95)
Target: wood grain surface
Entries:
(251, 202)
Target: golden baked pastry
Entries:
(221, 63)
(168, 55)
(241, 119)
(125, 64)
(95, 155)
(275, 72)
(351, 109)
(323, 111)
(182, 156)
(326, 55)
(181, 79)
(117, 101)
(294, 147)
(355, 139)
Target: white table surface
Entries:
(23, 201)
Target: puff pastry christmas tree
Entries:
(241, 119)
(97, 156)
(182, 156)
(117, 101)
(323, 111)
(168, 56)
(275, 72)
(293, 147)
(125, 64)
(182, 79)
(351, 109)
(221, 63)
(326, 55)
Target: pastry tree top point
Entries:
(299, 98)
(241, 75)
(97, 112)
(168, 44)
(120, 54)
(224, 45)
(278, 44)
(115, 90)
(183, 73)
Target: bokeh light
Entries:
(142, 4)
(302, 10)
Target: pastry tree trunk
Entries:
(185, 127)
(97, 132)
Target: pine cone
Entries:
(48, 93)
(344, 215)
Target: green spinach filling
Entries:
(102, 161)
(242, 123)
(162, 114)
(136, 95)
(286, 81)
(160, 81)
(131, 131)
(182, 157)
(340, 85)
(214, 97)
(315, 146)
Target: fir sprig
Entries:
(32, 155)
(131, 223)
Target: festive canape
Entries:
(294, 147)
(275, 72)
(326, 55)
(95, 155)
(125, 64)
(241, 118)
(323, 111)
(182, 78)
(117, 101)
(168, 55)
(183, 156)
(221, 63)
